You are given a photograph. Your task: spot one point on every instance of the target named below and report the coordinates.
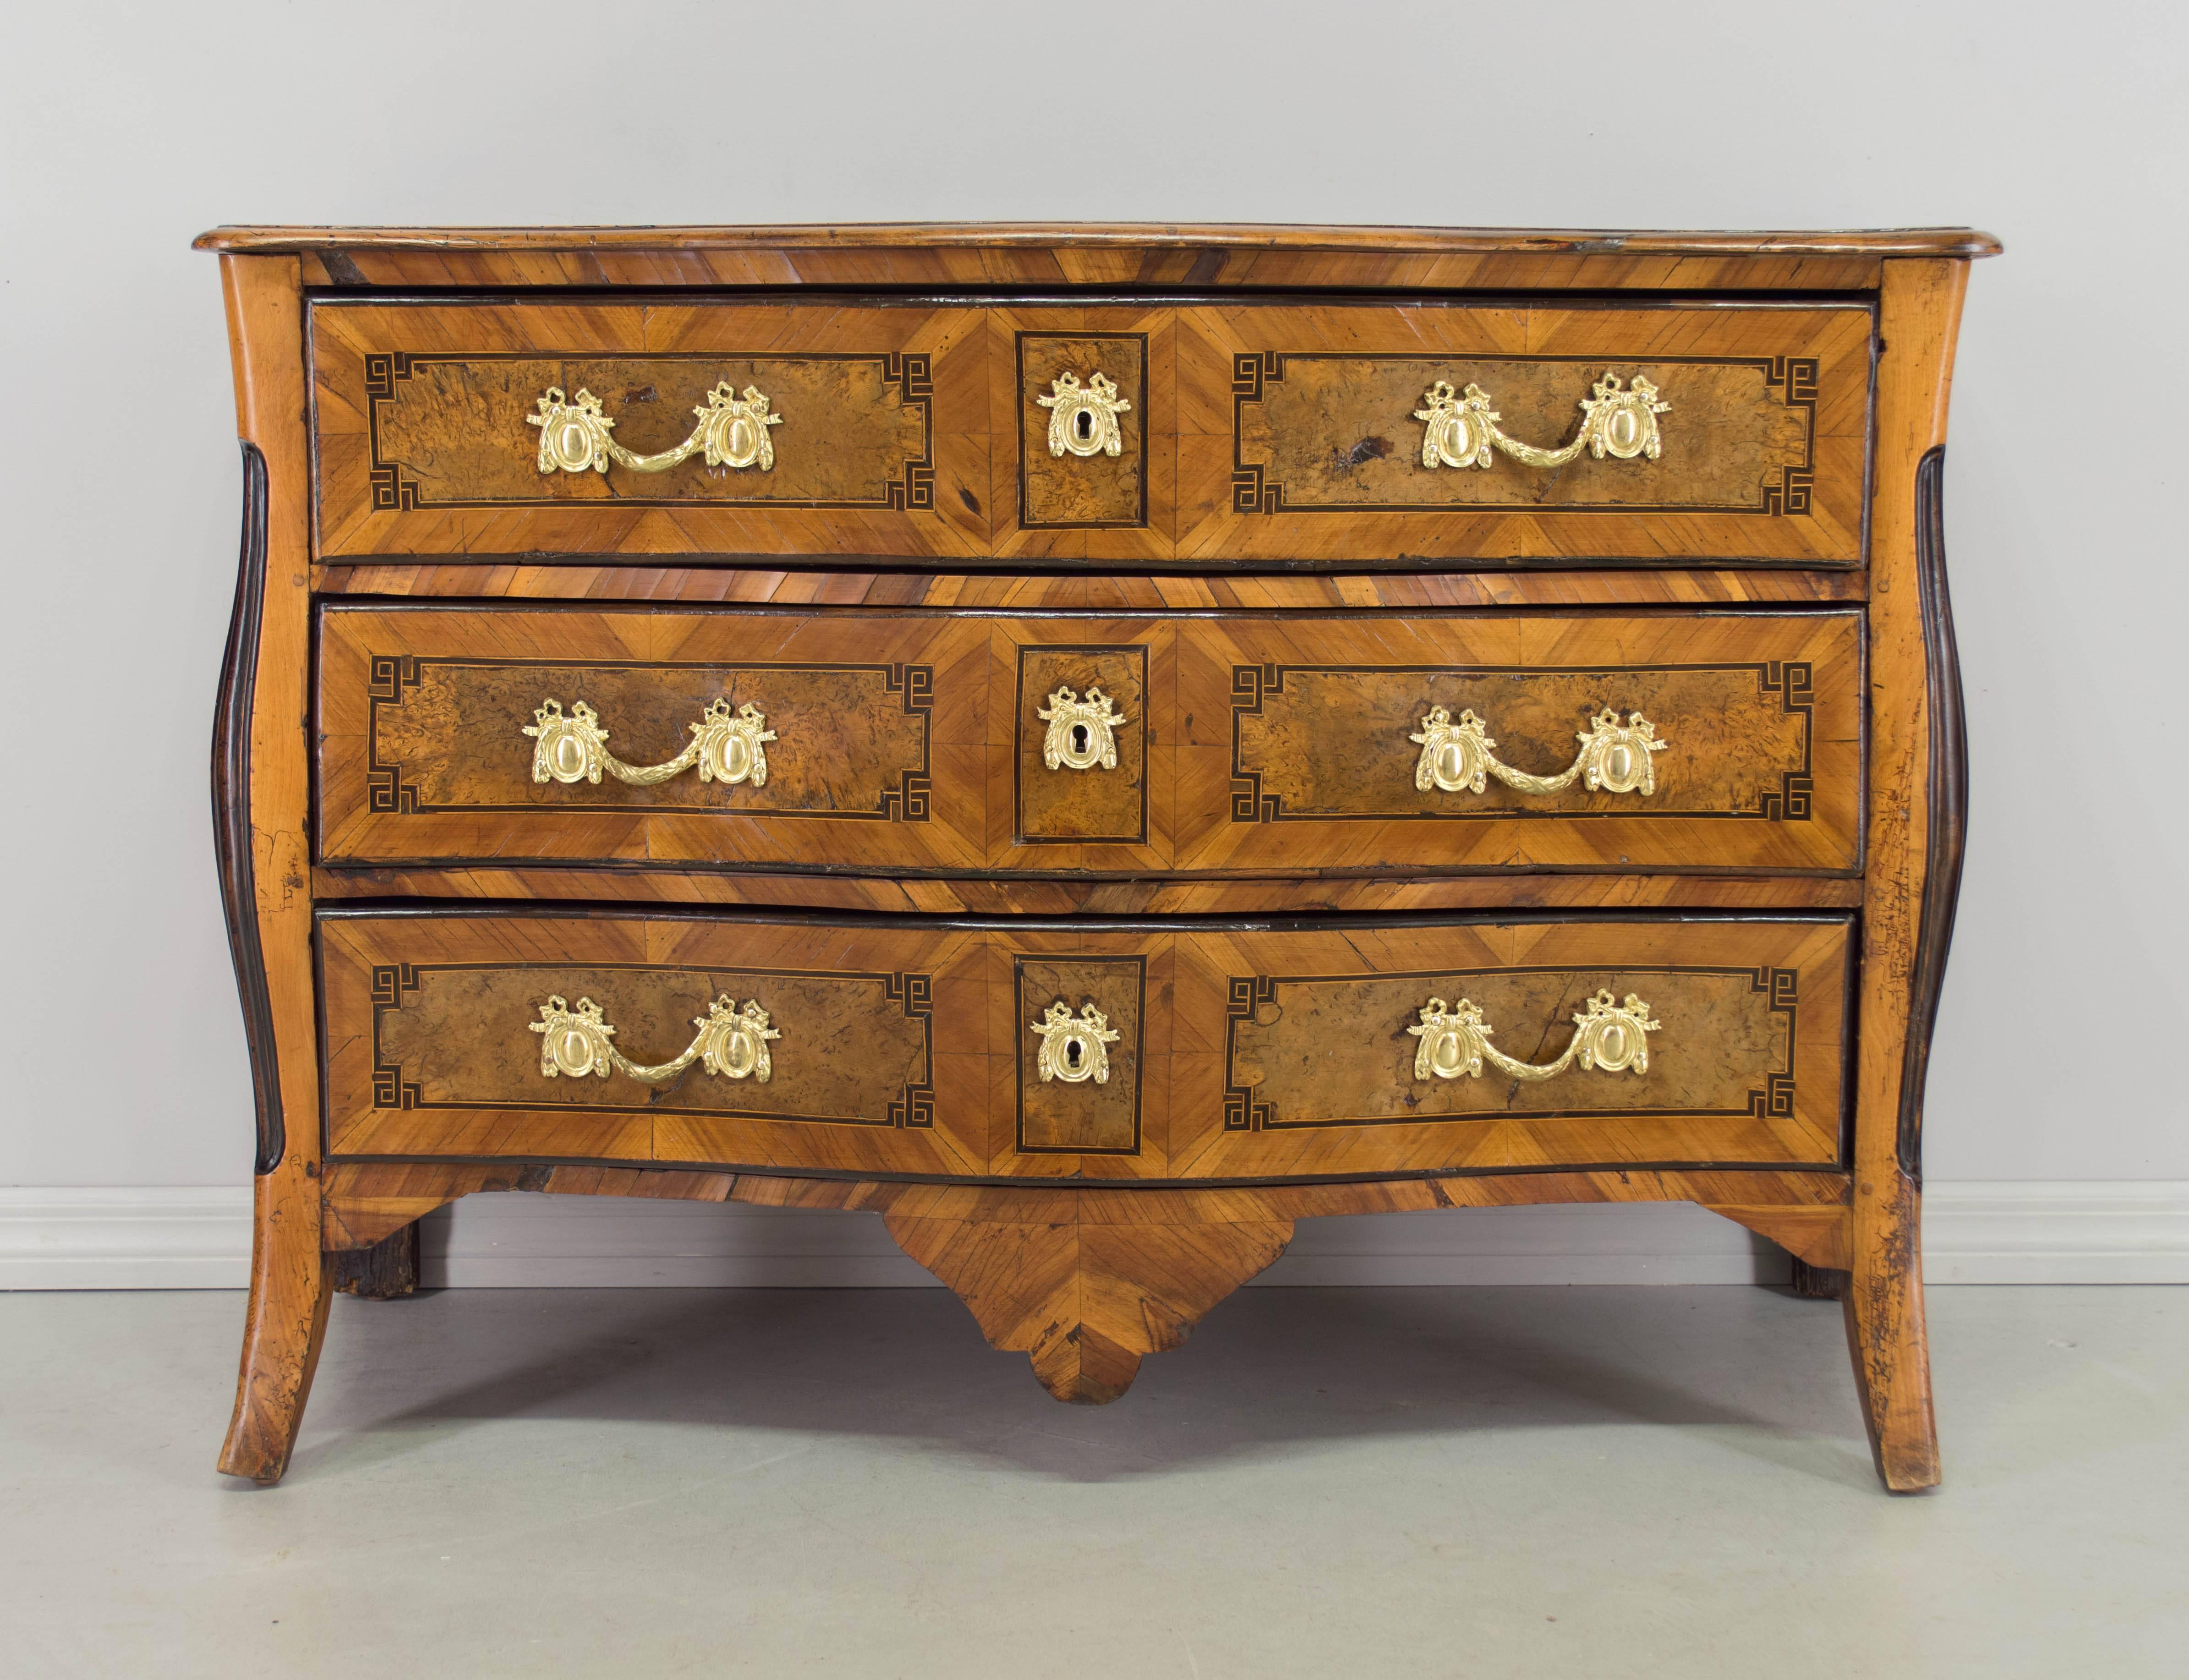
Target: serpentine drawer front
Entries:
(1007, 1050)
(1238, 744)
(1321, 435)
(1093, 743)
(1531, 433)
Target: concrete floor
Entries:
(1598, 1483)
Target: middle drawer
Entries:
(953, 743)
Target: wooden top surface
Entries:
(1022, 235)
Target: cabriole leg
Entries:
(1915, 833)
(283, 1327)
(1885, 1333)
(261, 788)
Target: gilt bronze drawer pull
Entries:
(1619, 421)
(731, 1042)
(1083, 419)
(726, 745)
(1081, 732)
(733, 431)
(1615, 757)
(1455, 1041)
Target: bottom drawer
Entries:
(1197, 1051)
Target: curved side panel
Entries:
(1948, 838)
(231, 810)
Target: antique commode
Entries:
(1095, 741)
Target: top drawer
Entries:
(1326, 435)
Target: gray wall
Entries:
(130, 129)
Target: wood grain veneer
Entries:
(1331, 891)
(1114, 255)
(1243, 1053)
(800, 584)
(913, 743)
(1280, 432)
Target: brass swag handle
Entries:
(1083, 419)
(1617, 757)
(726, 746)
(733, 430)
(731, 1042)
(1462, 428)
(1455, 1041)
(1080, 732)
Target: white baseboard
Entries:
(2052, 1231)
(125, 1239)
(1999, 1232)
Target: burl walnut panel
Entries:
(1099, 802)
(429, 1046)
(1072, 491)
(1050, 507)
(1291, 1054)
(1299, 439)
(1320, 1051)
(418, 423)
(446, 433)
(1761, 718)
(879, 756)
(1060, 1116)
(1241, 1054)
(1735, 440)
(850, 741)
(912, 741)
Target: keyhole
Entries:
(1071, 1051)
(1084, 422)
(1079, 738)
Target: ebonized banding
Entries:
(231, 810)
(1947, 836)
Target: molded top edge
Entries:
(1966, 242)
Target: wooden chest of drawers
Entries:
(1096, 743)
